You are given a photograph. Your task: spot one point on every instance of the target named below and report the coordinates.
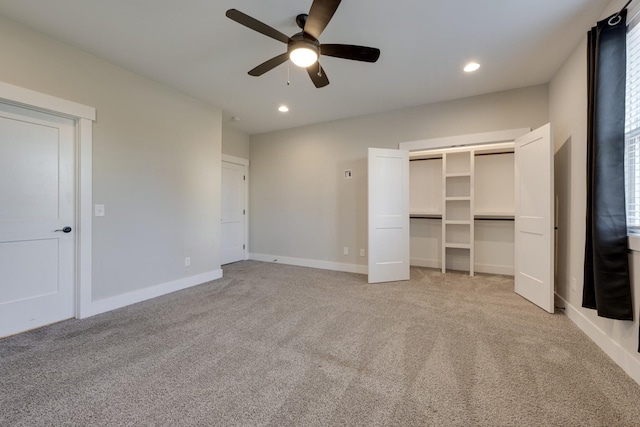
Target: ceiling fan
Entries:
(304, 48)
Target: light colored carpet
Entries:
(279, 345)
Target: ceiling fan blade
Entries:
(349, 51)
(317, 74)
(256, 25)
(269, 65)
(320, 14)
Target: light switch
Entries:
(99, 210)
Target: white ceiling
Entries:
(192, 46)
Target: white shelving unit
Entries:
(457, 205)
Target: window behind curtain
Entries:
(632, 123)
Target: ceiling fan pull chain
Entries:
(288, 76)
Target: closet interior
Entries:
(462, 203)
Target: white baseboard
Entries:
(426, 263)
(504, 270)
(363, 269)
(461, 266)
(623, 358)
(301, 262)
(119, 301)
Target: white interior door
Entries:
(37, 198)
(388, 215)
(534, 218)
(233, 212)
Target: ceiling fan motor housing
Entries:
(301, 20)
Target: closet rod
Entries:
(476, 154)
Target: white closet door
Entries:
(233, 212)
(534, 217)
(388, 215)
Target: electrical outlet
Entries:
(187, 262)
(573, 284)
(348, 174)
(361, 252)
(345, 250)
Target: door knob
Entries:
(66, 229)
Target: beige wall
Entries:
(568, 112)
(156, 163)
(235, 142)
(302, 207)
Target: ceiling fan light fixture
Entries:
(303, 53)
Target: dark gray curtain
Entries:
(606, 267)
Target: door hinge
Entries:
(244, 177)
(243, 247)
(244, 212)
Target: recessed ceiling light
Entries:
(471, 66)
(283, 108)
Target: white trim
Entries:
(301, 262)
(633, 242)
(47, 103)
(425, 263)
(233, 159)
(246, 215)
(623, 358)
(134, 297)
(84, 222)
(464, 140)
(503, 270)
(84, 117)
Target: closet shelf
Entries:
(457, 174)
(458, 245)
(456, 222)
(453, 199)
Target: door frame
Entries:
(464, 140)
(245, 163)
(83, 117)
(488, 138)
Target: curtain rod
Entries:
(623, 8)
(615, 19)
